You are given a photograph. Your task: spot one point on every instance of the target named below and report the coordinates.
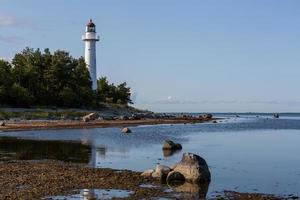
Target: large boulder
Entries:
(193, 168)
(175, 177)
(161, 172)
(90, 117)
(170, 145)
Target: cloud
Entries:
(171, 100)
(11, 39)
(7, 20)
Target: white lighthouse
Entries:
(90, 38)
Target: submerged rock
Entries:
(170, 145)
(126, 130)
(192, 190)
(169, 152)
(193, 167)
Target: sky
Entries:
(177, 56)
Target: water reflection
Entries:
(191, 190)
(25, 149)
(88, 194)
(169, 152)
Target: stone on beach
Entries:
(2, 123)
(161, 172)
(90, 117)
(126, 130)
(193, 168)
(147, 173)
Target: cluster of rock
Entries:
(139, 116)
(192, 168)
(206, 116)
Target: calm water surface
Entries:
(246, 154)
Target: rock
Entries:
(89, 117)
(2, 123)
(206, 116)
(175, 177)
(276, 115)
(214, 122)
(161, 172)
(170, 145)
(193, 168)
(126, 130)
(147, 173)
(169, 152)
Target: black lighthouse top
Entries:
(90, 26)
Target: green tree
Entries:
(19, 96)
(6, 81)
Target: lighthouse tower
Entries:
(90, 38)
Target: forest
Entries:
(36, 78)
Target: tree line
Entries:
(35, 78)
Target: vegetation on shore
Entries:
(36, 78)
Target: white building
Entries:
(90, 38)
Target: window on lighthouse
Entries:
(90, 29)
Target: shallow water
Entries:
(94, 194)
(245, 154)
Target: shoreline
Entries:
(24, 125)
(47, 178)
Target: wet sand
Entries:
(38, 179)
(74, 124)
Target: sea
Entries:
(245, 152)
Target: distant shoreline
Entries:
(24, 125)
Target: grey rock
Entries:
(194, 168)
(90, 117)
